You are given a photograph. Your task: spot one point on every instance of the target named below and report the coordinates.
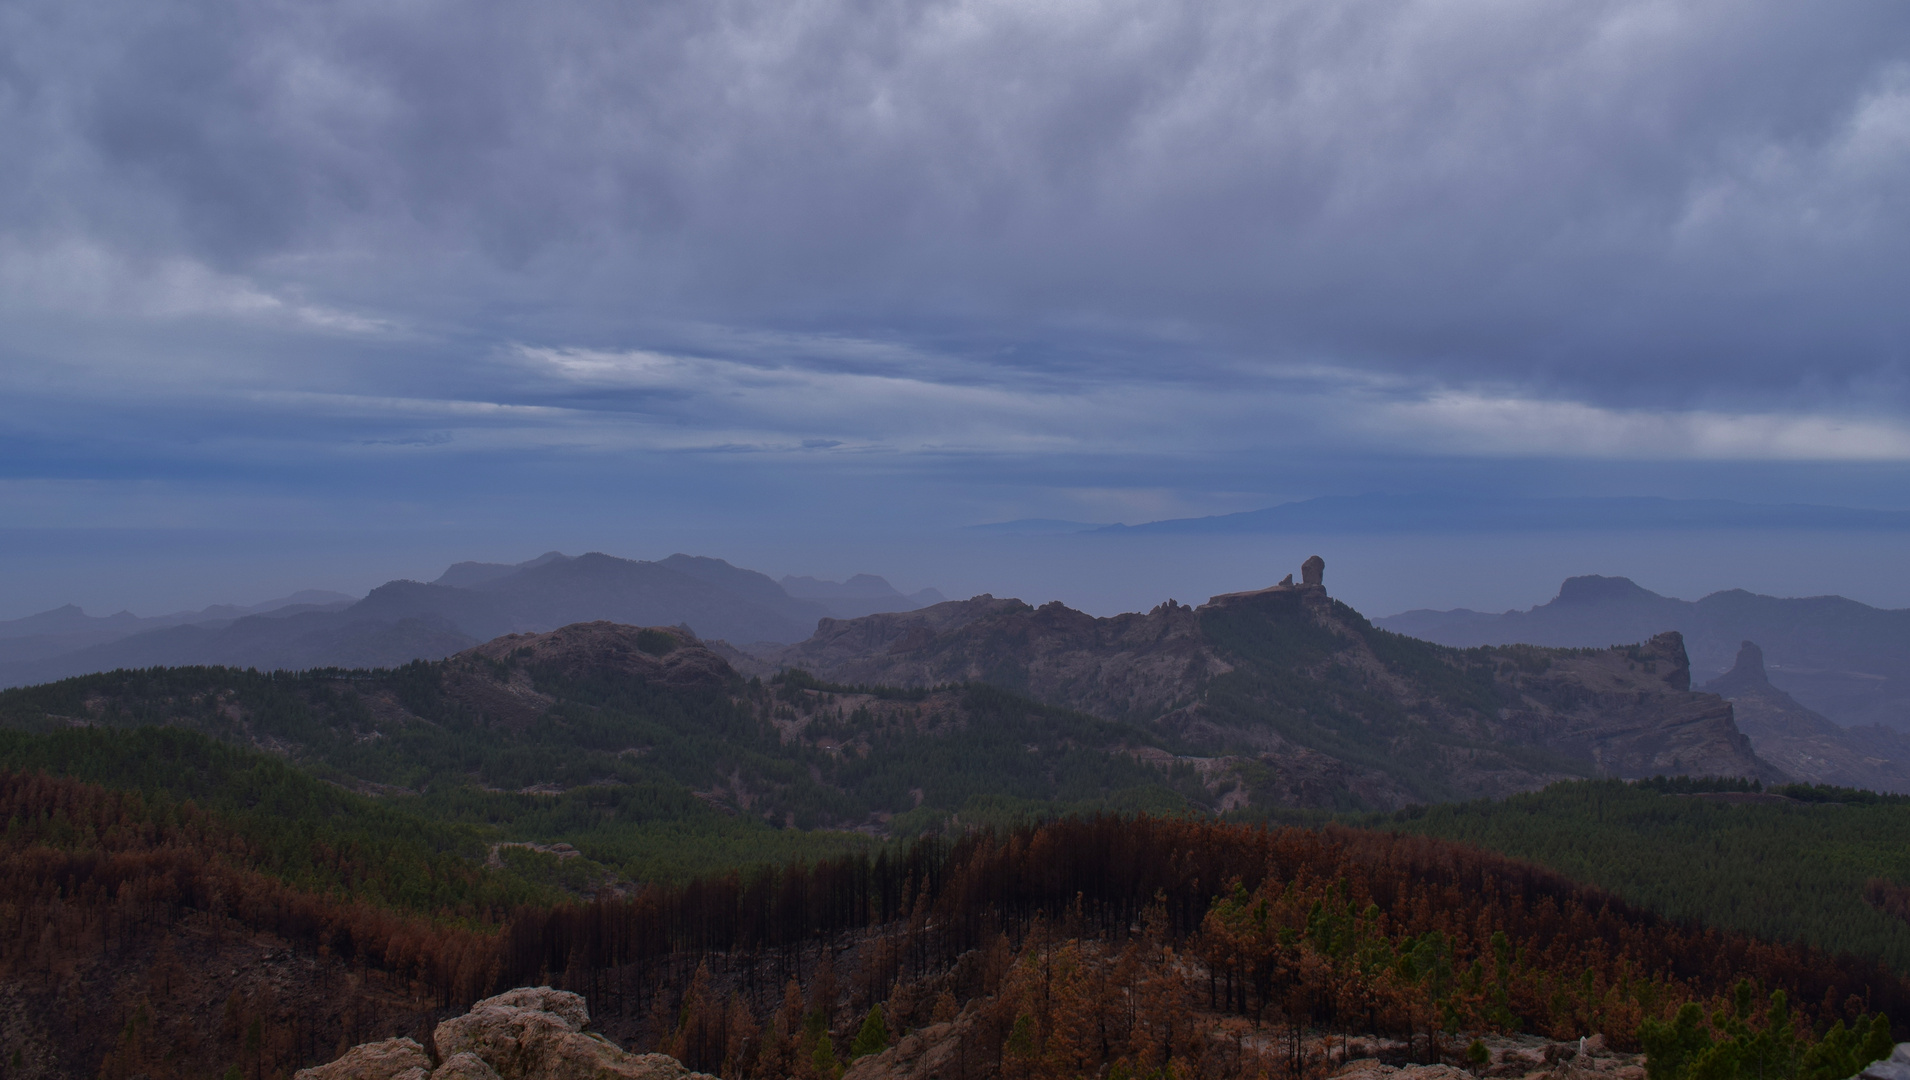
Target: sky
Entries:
(318, 294)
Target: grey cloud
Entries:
(1664, 203)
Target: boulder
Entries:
(531, 1033)
(1313, 571)
(560, 1003)
(464, 1066)
(392, 1059)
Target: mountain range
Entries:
(1840, 658)
(1277, 697)
(471, 602)
(66, 629)
(1297, 699)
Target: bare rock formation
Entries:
(1894, 1067)
(1806, 744)
(465, 1065)
(1131, 666)
(1225, 678)
(941, 1051)
(392, 1059)
(531, 1033)
(1631, 711)
(848, 647)
(1313, 571)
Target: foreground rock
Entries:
(1894, 1067)
(531, 1033)
(393, 1059)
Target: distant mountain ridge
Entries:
(469, 603)
(1275, 697)
(1301, 701)
(1843, 659)
(67, 629)
(863, 594)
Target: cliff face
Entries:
(1806, 744)
(1300, 700)
(1128, 667)
(1630, 711)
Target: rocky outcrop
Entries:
(1630, 711)
(1313, 571)
(531, 1033)
(1806, 744)
(932, 1053)
(1130, 666)
(392, 1059)
(845, 649)
(1894, 1067)
(669, 656)
(1329, 711)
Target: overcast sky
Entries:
(497, 278)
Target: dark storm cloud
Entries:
(1624, 203)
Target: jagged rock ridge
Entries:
(1328, 710)
(1806, 744)
(1843, 659)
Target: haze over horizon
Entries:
(302, 297)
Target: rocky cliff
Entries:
(1299, 700)
(1806, 744)
(532, 1033)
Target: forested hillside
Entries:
(1791, 869)
(654, 764)
(1059, 950)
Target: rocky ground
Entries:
(537, 1033)
(1528, 1057)
(941, 1051)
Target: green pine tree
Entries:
(874, 1036)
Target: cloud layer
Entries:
(261, 239)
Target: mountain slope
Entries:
(1846, 660)
(628, 726)
(1310, 703)
(1277, 697)
(1805, 744)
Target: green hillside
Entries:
(1792, 871)
(649, 782)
